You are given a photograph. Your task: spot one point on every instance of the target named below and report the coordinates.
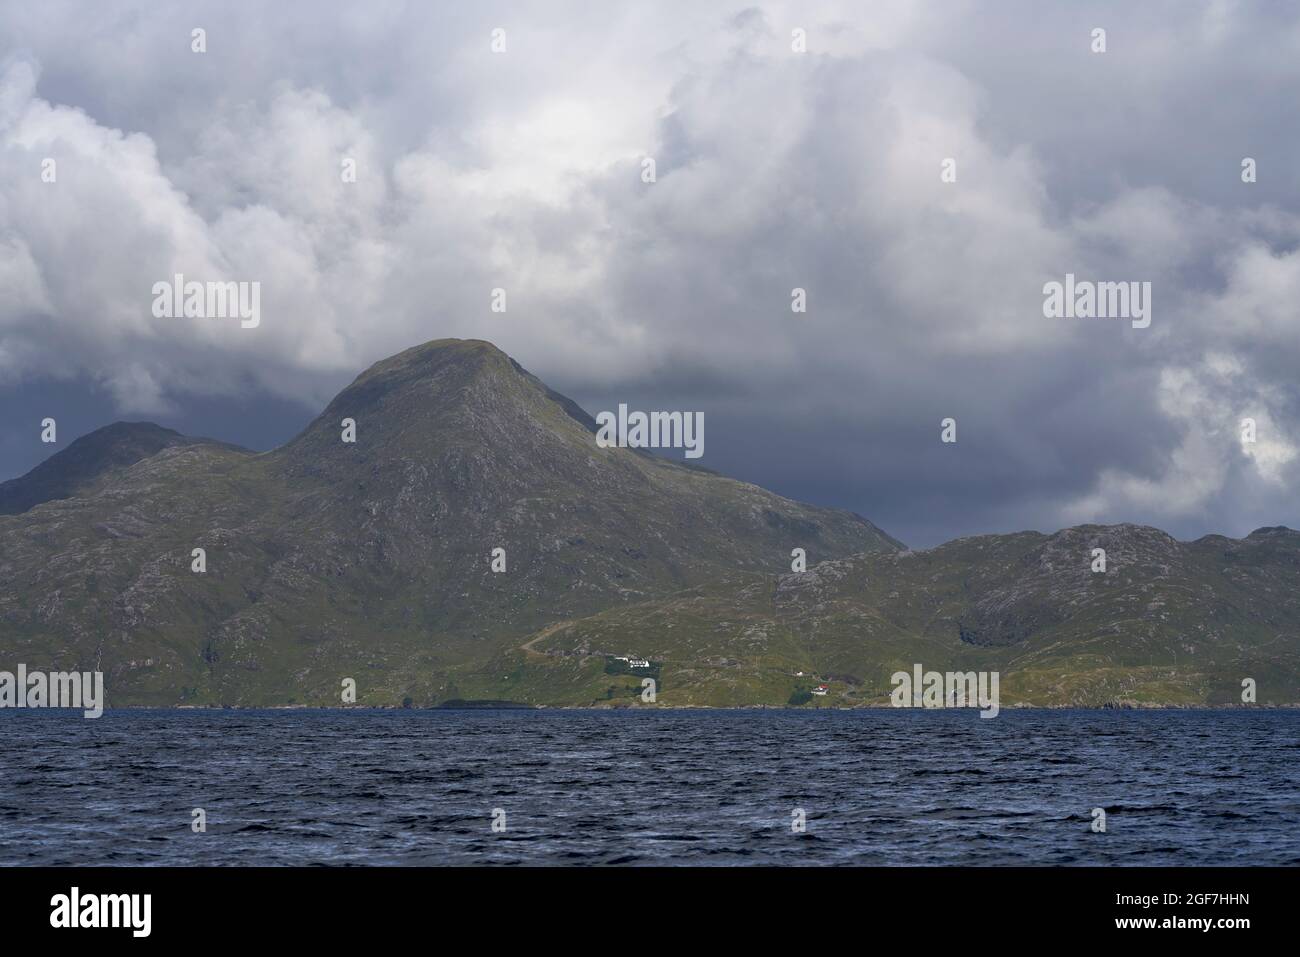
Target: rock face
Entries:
(371, 559)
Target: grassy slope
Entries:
(1169, 623)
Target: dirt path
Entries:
(527, 646)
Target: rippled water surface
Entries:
(650, 787)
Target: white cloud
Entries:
(775, 170)
(1208, 404)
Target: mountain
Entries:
(89, 459)
(370, 559)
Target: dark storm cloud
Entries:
(775, 170)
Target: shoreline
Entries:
(639, 709)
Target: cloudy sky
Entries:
(775, 169)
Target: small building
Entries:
(820, 690)
(637, 663)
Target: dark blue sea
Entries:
(877, 787)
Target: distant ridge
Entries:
(76, 468)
